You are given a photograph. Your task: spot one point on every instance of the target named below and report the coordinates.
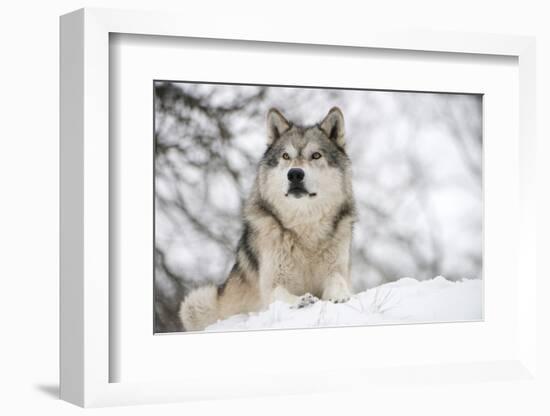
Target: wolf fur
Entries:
(297, 226)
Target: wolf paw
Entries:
(337, 292)
(305, 300)
(342, 299)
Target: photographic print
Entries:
(280, 207)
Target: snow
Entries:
(406, 300)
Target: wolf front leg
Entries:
(281, 293)
(297, 302)
(276, 281)
(336, 289)
(336, 286)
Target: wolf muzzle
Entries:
(296, 175)
(296, 186)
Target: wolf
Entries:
(297, 226)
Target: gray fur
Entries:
(291, 248)
(247, 247)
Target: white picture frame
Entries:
(86, 356)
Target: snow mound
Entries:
(403, 301)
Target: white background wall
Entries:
(29, 56)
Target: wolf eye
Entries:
(286, 156)
(316, 155)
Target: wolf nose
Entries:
(296, 175)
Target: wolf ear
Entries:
(277, 124)
(333, 126)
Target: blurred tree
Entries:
(192, 135)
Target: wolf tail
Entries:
(200, 308)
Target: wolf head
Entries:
(305, 170)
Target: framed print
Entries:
(301, 198)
